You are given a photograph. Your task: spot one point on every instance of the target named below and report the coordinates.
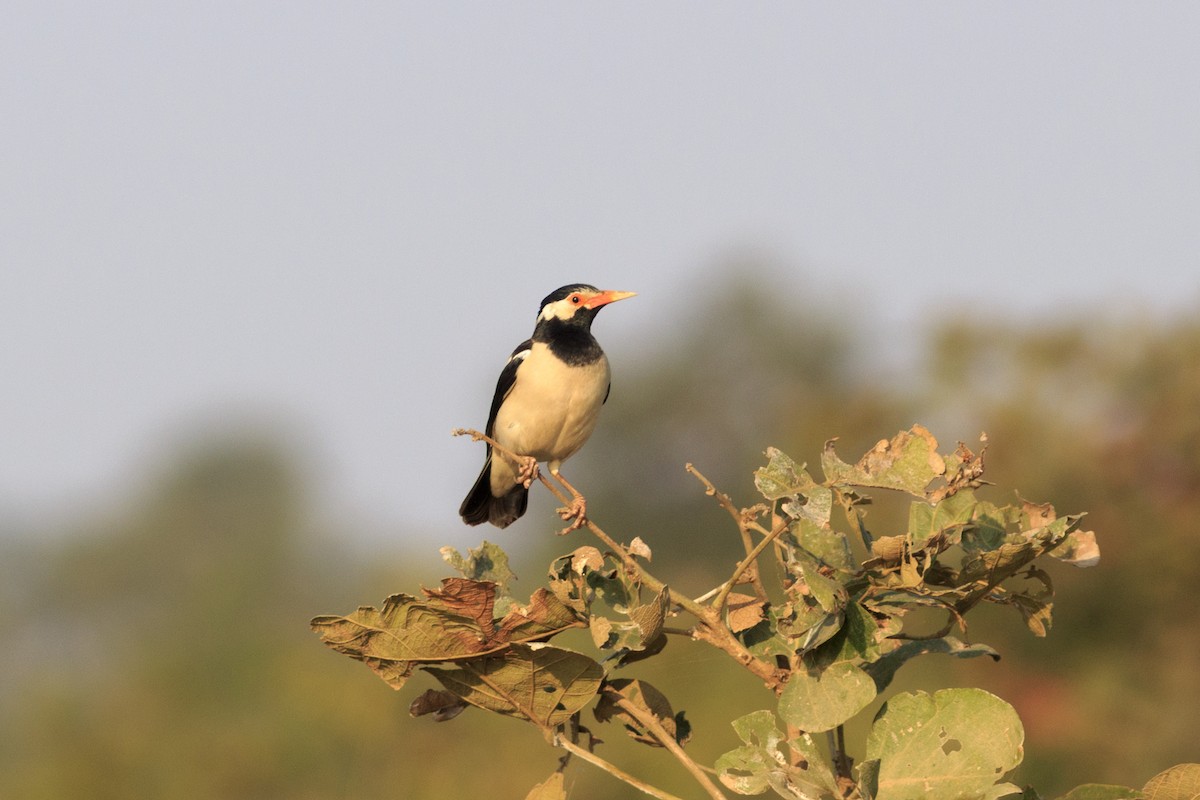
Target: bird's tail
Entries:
(480, 506)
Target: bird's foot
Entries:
(529, 471)
(576, 513)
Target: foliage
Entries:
(152, 646)
(849, 608)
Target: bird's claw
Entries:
(576, 513)
(529, 471)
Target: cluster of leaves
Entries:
(828, 639)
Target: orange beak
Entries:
(604, 298)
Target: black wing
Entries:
(508, 376)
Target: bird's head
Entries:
(577, 303)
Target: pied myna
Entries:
(546, 405)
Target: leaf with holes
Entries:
(760, 764)
(487, 563)
(952, 744)
(907, 462)
(782, 477)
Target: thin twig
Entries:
(664, 737)
(723, 595)
(613, 769)
(739, 519)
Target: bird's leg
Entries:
(528, 472)
(577, 511)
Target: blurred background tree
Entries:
(161, 649)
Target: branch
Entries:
(711, 629)
(668, 741)
(612, 769)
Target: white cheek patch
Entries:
(560, 309)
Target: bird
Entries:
(546, 405)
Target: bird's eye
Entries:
(576, 299)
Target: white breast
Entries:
(551, 410)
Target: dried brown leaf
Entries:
(601, 630)
(640, 549)
(1037, 514)
(651, 616)
(442, 704)
(543, 684)
(1079, 549)
(586, 558)
(544, 616)
(553, 788)
(473, 600)
(965, 471)
(744, 612)
(451, 624)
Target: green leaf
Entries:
(487, 563)
(760, 764)
(826, 544)
(927, 523)
(544, 684)
(855, 641)
(1035, 610)
(764, 638)
(784, 479)
(991, 525)
(781, 477)
(1099, 791)
(908, 462)
(1180, 782)
(609, 586)
(825, 629)
(994, 566)
(823, 701)
(829, 593)
(867, 773)
(956, 743)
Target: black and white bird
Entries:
(546, 404)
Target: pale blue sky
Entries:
(309, 211)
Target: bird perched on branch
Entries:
(545, 407)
